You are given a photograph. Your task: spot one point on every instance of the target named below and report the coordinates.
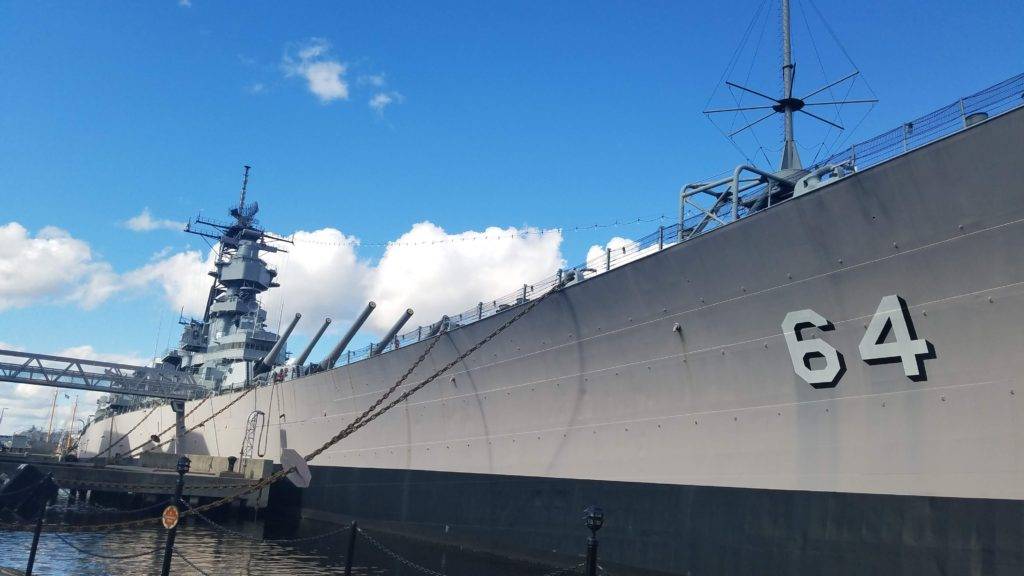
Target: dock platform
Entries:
(153, 473)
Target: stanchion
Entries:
(594, 517)
(27, 494)
(45, 492)
(351, 554)
(172, 514)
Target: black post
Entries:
(46, 491)
(182, 468)
(350, 555)
(591, 555)
(35, 540)
(594, 517)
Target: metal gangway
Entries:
(97, 376)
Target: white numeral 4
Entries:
(892, 316)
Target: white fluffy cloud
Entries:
(321, 276)
(438, 273)
(182, 276)
(427, 269)
(324, 75)
(145, 222)
(51, 266)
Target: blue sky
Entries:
(497, 114)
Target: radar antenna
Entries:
(787, 105)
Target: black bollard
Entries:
(351, 554)
(182, 468)
(594, 517)
(47, 489)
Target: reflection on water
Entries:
(217, 552)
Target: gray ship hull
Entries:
(707, 450)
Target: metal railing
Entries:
(963, 113)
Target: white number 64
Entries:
(891, 317)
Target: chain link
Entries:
(189, 562)
(389, 552)
(102, 510)
(138, 487)
(126, 434)
(244, 536)
(368, 415)
(140, 447)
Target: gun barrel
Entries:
(264, 364)
(305, 353)
(332, 358)
(378, 348)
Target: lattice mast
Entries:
(790, 156)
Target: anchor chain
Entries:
(189, 430)
(369, 415)
(126, 434)
(394, 555)
(232, 532)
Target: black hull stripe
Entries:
(679, 529)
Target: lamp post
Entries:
(594, 517)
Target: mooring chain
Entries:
(366, 413)
(389, 552)
(354, 426)
(143, 447)
(189, 562)
(185, 417)
(102, 510)
(368, 417)
(126, 434)
(67, 482)
(232, 532)
(65, 527)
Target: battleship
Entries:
(816, 369)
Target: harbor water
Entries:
(235, 547)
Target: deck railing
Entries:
(963, 113)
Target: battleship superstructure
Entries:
(232, 335)
(846, 404)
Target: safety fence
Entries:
(963, 113)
